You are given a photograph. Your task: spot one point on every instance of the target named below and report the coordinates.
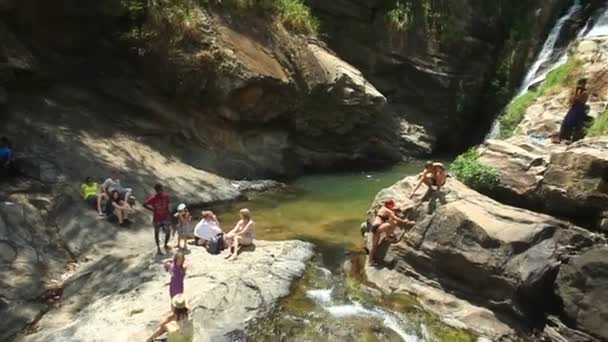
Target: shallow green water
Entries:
(328, 303)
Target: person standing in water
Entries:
(177, 269)
(159, 205)
(576, 114)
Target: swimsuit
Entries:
(375, 227)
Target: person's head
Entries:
(5, 142)
(179, 258)
(115, 174)
(582, 83)
(245, 214)
(115, 195)
(158, 188)
(389, 203)
(179, 306)
(207, 214)
(182, 209)
(88, 180)
(428, 165)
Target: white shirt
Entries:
(206, 229)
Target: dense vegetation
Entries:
(293, 14)
(563, 76)
(599, 126)
(468, 169)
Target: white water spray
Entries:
(548, 50)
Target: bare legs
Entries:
(101, 197)
(121, 214)
(386, 228)
(237, 242)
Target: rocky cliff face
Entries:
(444, 66)
(521, 265)
(235, 93)
(566, 181)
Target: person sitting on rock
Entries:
(113, 184)
(89, 190)
(6, 152)
(178, 326)
(177, 268)
(183, 225)
(207, 228)
(576, 114)
(117, 207)
(385, 222)
(433, 175)
(240, 235)
(7, 164)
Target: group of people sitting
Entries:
(111, 199)
(387, 218)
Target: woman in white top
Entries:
(207, 228)
(241, 235)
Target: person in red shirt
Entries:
(161, 218)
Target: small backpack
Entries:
(216, 244)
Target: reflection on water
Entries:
(324, 209)
(329, 304)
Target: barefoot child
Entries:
(183, 225)
(177, 269)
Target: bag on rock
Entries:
(216, 244)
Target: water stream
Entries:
(329, 303)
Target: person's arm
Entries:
(82, 190)
(417, 186)
(398, 219)
(148, 204)
(246, 228)
(236, 227)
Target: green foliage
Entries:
(468, 169)
(563, 76)
(293, 14)
(599, 125)
(296, 16)
(401, 16)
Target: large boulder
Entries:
(575, 183)
(582, 286)
(501, 256)
(566, 181)
(124, 297)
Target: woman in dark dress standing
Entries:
(576, 114)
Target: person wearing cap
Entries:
(433, 175)
(183, 225)
(385, 222)
(178, 325)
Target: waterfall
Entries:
(546, 53)
(600, 28)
